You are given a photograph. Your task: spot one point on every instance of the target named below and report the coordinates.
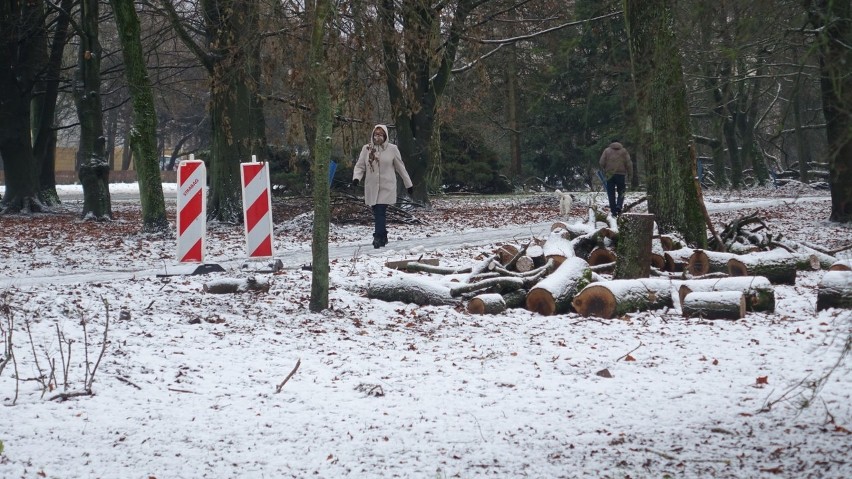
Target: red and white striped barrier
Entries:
(191, 210)
(257, 209)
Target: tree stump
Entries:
(490, 303)
(714, 305)
(758, 291)
(410, 289)
(553, 294)
(609, 299)
(835, 290)
(777, 265)
(634, 246)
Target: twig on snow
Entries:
(295, 368)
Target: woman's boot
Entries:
(384, 238)
(377, 241)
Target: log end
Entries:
(541, 301)
(595, 300)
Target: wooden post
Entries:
(635, 232)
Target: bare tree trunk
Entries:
(143, 138)
(672, 191)
(91, 155)
(322, 118)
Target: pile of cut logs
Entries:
(613, 267)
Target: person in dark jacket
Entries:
(617, 167)
(378, 165)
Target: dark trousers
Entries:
(616, 184)
(380, 215)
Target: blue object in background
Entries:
(700, 172)
(602, 177)
(332, 168)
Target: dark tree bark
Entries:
(44, 110)
(143, 136)
(231, 55)
(20, 30)
(673, 195)
(833, 18)
(91, 154)
(416, 85)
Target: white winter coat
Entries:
(379, 176)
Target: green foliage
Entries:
(468, 165)
(289, 170)
(1, 447)
(580, 99)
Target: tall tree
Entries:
(230, 52)
(20, 30)
(91, 154)
(670, 167)
(418, 67)
(833, 20)
(45, 99)
(143, 136)
(323, 118)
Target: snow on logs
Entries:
(553, 294)
(620, 296)
(714, 305)
(841, 265)
(758, 292)
(236, 285)
(835, 290)
(410, 289)
(777, 265)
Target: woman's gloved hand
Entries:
(355, 182)
(410, 190)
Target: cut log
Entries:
(671, 243)
(402, 264)
(825, 260)
(427, 267)
(411, 289)
(506, 252)
(677, 259)
(835, 290)
(715, 305)
(557, 248)
(634, 246)
(515, 299)
(500, 284)
(841, 265)
(620, 296)
(491, 303)
(536, 252)
(553, 294)
(524, 264)
(702, 262)
(236, 285)
(777, 265)
(600, 256)
(758, 291)
(658, 261)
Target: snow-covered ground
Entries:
(188, 383)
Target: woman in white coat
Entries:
(378, 165)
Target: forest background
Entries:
(481, 95)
